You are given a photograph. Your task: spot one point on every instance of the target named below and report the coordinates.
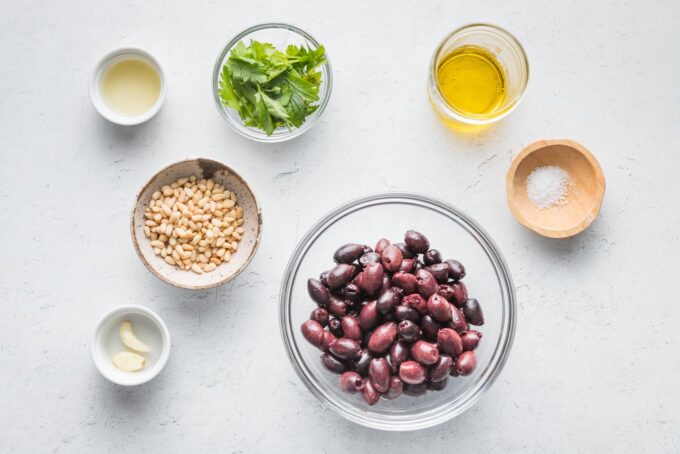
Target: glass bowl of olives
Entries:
(380, 311)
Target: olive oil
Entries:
(131, 87)
(472, 81)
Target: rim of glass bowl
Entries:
(433, 87)
(255, 134)
(500, 353)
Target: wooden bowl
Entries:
(224, 175)
(583, 199)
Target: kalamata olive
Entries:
(358, 280)
(369, 257)
(379, 374)
(367, 248)
(350, 326)
(466, 363)
(340, 275)
(396, 388)
(405, 251)
(345, 348)
(399, 352)
(352, 291)
(408, 331)
(323, 277)
(439, 308)
(369, 317)
(456, 270)
(335, 327)
(407, 265)
(318, 292)
(350, 382)
(473, 312)
(406, 281)
(440, 271)
(326, 340)
(391, 258)
(312, 331)
(441, 369)
(333, 364)
(348, 253)
(388, 301)
(381, 245)
(416, 241)
(427, 284)
(372, 280)
(446, 291)
(425, 352)
(402, 312)
(449, 342)
(337, 306)
(415, 390)
(430, 327)
(361, 364)
(415, 301)
(459, 293)
(319, 315)
(470, 339)
(369, 393)
(437, 385)
(432, 256)
(412, 373)
(457, 322)
(386, 284)
(382, 338)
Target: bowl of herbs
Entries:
(272, 82)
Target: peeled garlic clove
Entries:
(130, 339)
(129, 361)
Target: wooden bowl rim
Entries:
(598, 195)
(227, 278)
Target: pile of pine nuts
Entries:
(194, 224)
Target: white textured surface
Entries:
(595, 364)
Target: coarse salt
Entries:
(548, 186)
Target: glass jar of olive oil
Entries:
(478, 75)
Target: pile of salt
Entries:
(547, 186)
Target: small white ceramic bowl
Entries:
(252, 225)
(106, 342)
(105, 63)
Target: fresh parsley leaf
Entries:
(273, 107)
(263, 117)
(270, 88)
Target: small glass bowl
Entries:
(509, 53)
(280, 35)
(449, 230)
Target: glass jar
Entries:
(504, 48)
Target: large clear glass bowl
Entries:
(456, 235)
(281, 36)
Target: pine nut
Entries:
(193, 224)
(196, 269)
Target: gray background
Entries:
(595, 363)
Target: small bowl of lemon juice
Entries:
(478, 75)
(128, 86)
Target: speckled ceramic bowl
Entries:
(224, 175)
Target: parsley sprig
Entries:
(270, 88)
